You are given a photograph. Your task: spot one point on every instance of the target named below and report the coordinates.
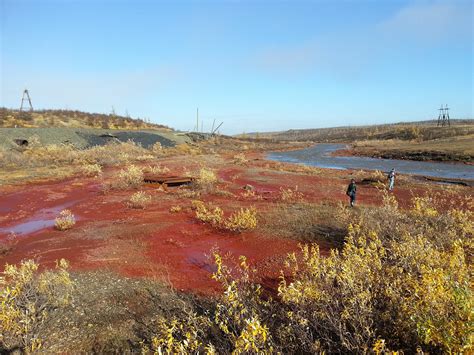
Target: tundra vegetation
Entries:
(401, 280)
(69, 118)
(139, 199)
(396, 278)
(65, 220)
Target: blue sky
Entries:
(256, 65)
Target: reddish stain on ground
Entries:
(172, 247)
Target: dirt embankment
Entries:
(454, 149)
(408, 155)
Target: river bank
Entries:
(328, 156)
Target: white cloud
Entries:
(430, 21)
(348, 52)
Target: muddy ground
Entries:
(175, 247)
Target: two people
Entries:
(352, 188)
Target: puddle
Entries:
(5, 209)
(43, 219)
(200, 260)
(28, 227)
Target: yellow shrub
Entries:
(65, 220)
(253, 338)
(26, 301)
(139, 199)
(407, 288)
(92, 170)
(290, 195)
(175, 337)
(423, 206)
(206, 214)
(240, 159)
(244, 219)
(237, 311)
(207, 178)
(131, 177)
(175, 209)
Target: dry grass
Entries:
(308, 222)
(446, 149)
(76, 119)
(157, 169)
(405, 131)
(109, 314)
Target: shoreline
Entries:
(347, 153)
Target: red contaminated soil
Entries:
(172, 247)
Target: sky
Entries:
(254, 65)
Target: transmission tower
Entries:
(26, 97)
(443, 117)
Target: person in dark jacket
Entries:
(351, 192)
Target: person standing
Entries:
(391, 179)
(351, 192)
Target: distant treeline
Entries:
(71, 118)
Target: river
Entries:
(320, 156)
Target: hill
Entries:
(72, 119)
(423, 130)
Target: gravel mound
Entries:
(85, 138)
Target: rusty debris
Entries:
(165, 181)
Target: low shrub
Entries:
(139, 199)
(240, 159)
(131, 177)
(175, 209)
(207, 179)
(27, 299)
(177, 336)
(290, 195)
(402, 276)
(91, 170)
(241, 309)
(207, 214)
(244, 219)
(65, 220)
